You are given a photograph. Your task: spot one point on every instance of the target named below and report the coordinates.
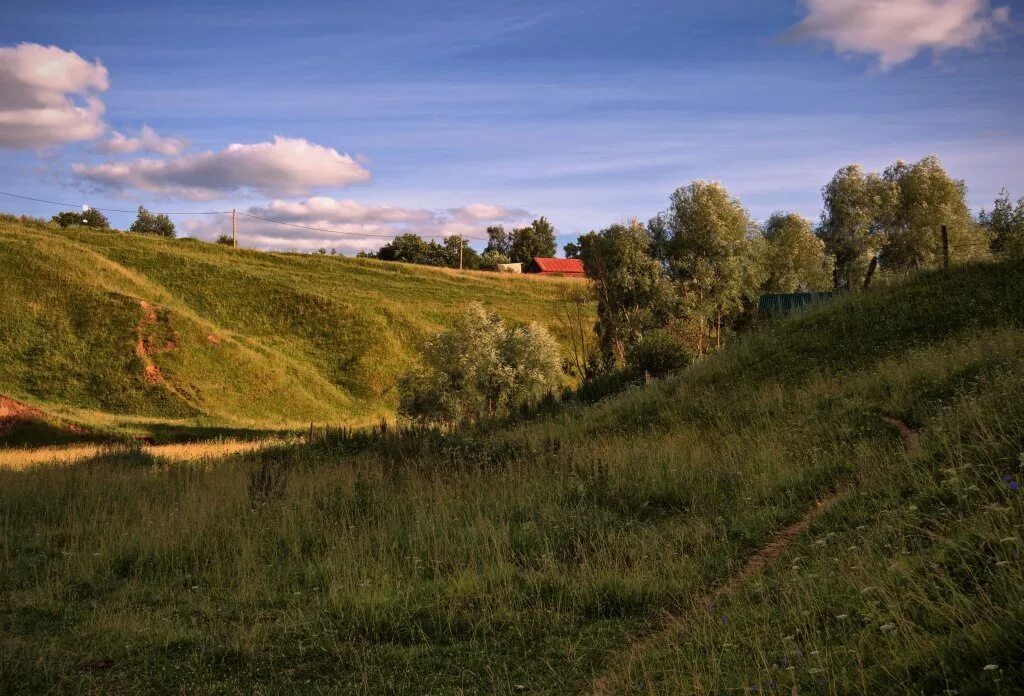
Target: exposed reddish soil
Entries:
(14, 413)
(144, 347)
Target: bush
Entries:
(225, 239)
(657, 353)
(148, 223)
(88, 218)
(481, 367)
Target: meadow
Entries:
(590, 549)
(140, 336)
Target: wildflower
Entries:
(1014, 486)
(990, 668)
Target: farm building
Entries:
(565, 267)
(780, 305)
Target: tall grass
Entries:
(543, 555)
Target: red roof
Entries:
(574, 266)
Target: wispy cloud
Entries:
(284, 167)
(49, 96)
(897, 30)
(148, 140)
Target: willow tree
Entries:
(705, 239)
(794, 258)
(917, 200)
(849, 223)
(632, 292)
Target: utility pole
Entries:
(945, 247)
(461, 242)
(234, 229)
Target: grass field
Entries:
(178, 338)
(575, 552)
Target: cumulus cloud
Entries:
(49, 96)
(481, 212)
(897, 30)
(148, 140)
(284, 167)
(346, 225)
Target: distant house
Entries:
(510, 268)
(564, 267)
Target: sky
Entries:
(373, 119)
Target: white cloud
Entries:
(346, 225)
(284, 167)
(481, 212)
(897, 30)
(148, 140)
(49, 96)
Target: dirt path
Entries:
(908, 434)
(765, 556)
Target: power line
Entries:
(110, 210)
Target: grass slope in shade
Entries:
(107, 327)
(573, 553)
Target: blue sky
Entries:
(586, 112)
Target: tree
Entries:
(89, 217)
(480, 367)
(916, 201)
(705, 241)
(794, 258)
(411, 248)
(498, 241)
(1005, 226)
(225, 239)
(633, 294)
(148, 223)
(490, 260)
(848, 228)
(456, 245)
(537, 239)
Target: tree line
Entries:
(677, 286)
(521, 244)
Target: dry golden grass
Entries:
(19, 459)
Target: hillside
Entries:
(666, 540)
(114, 330)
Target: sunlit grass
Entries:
(540, 556)
(23, 458)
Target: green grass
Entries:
(537, 557)
(243, 339)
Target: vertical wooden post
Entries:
(945, 247)
(310, 432)
(461, 242)
(234, 229)
(871, 271)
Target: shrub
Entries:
(89, 218)
(226, 240)
(658, 353)
(148, 223)
(481, 367)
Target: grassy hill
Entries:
(601, 549)
(109, 329)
